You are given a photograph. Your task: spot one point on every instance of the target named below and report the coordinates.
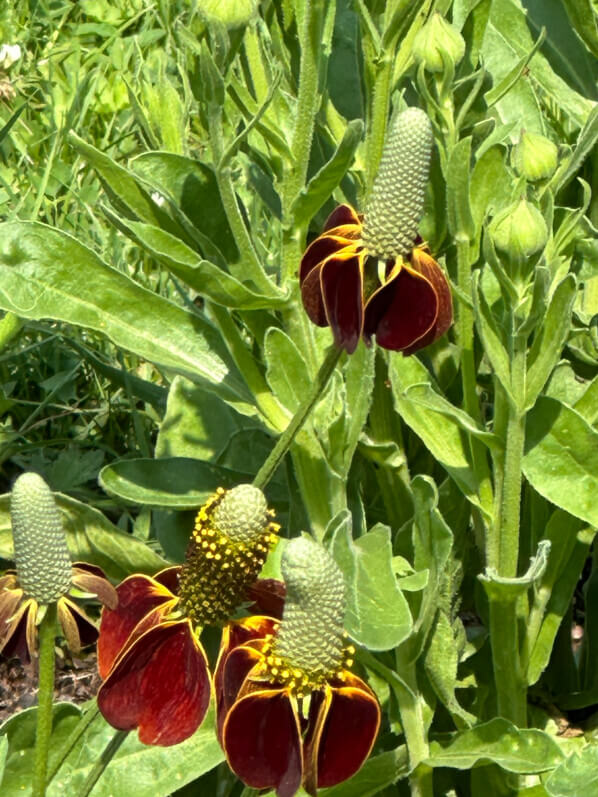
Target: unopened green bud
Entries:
(534, 156)
(242, 514)
(311, 634)
(436, 43)
(41, 554)
(396, 205)
(231, 13)
(519, 232)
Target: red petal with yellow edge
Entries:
(20, 639)
(341, 281)
(161, 685)
(318, 251)
(401, 312)
(262, 742)
(311, 296)
(78, 629)
(90, 578)
(231, 672)
(138, 595)
(342, 731)
(343, 214)
(425, 264)
(169, 578)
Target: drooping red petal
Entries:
(78, 629)
(138, 596)
(230, 675)
(90, 578)
(341, 281)
(311, 296)
(268, 596)
(169, 578)
(342, 731)
(161, 685)
(20, 638)
(402, 311)
(424, 264)
(318, 250)
(343, 214)
(262, 742)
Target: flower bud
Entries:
(436, 42)
(397, 202)
(311, 635)
(519, 232)
(534, 156)
(41, 554)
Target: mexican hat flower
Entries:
(290, 712)
(155, 670)
(367, 275)
(44, 575)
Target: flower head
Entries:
(290, 712)
(155, 668)
(44, 575)
(366, 275)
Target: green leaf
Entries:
(286, 371)
(439, 433)
(377, 613)
(498, 741)
(142, 770)
(45, 273)
(169, 482)
(192, 187)
(3, 754)
(91, 538)
(460, 220)
(321, 186)
(550, 339)
(561, 458)
(583, 18)
(572, 163)
(201, 275)
(577, 775)
(490, 334)
(375, 775)
(507, 40)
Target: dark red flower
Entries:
(155, 670)
(268, 741)
(404, 302)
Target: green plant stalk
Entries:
(465, 338)
(248, 258)
(285, 440)
(10, 326)
(379, 111)
(509, 681)
(107, 755)
(47, 633)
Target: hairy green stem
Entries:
(47, 633)
(107, 755)
(377, 133)
(506, 661)
(285, 440)
(510, 507)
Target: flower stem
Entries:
(107, 754)
(47, 633)
(285, 440)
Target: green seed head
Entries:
(41, 554)
(311, 635)
(519, 232)
(396, 205)
(242, 514)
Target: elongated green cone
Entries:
(311, 634)
(41, 554)
(396, 205)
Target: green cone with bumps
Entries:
(396, 205)
(311, 635)
(41, 554)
